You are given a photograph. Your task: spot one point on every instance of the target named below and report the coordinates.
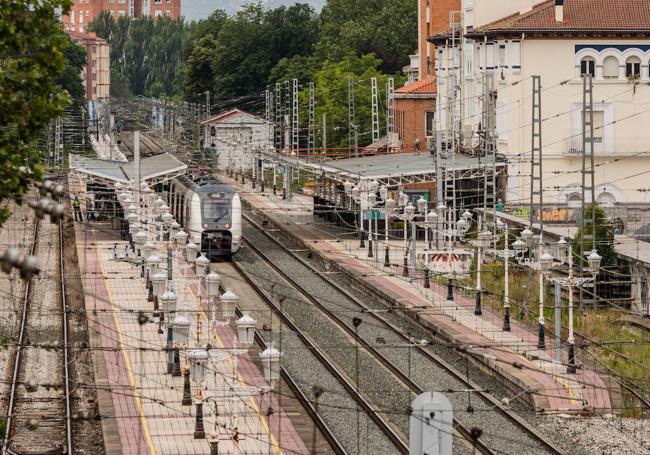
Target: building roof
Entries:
(425, 86)
(154, 168)
(90, 36)
(580, 16)
(228, 116)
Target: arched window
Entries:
(588, 66)
(606, 199)
(573, 200)
(610, 67)
(633, 67)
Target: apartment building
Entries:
(558, 40)
(96, 75)
(83, 12)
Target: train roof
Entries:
(204, 185)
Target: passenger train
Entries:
(210, 212)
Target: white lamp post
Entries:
(389, 209)
(271, 363)
(190, 252)
(181, 238)
(158, 280)
(228, 303)
(140, 238)
(212, 282)
(246, 329)
(202, 263)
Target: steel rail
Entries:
(66, 343)
(19, 346)
(373, 414)
(302, 398)
(432, 357)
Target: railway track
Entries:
(38, 419)
(481, 432)
(383, 425)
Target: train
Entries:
(209, 211)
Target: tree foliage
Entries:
(32, 47)
(386, 28)
(332, 96)
(253, 41)
(604, 237)
(146, 51)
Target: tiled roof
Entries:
(424, 86)
(579, 15)
(78, 36)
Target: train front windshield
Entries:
(216, 209)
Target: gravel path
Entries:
(17, 231)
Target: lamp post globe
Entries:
(246, 329)
(545, 262)
(271, 363)
(594, 260)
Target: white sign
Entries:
(431, 425)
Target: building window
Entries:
(633, 68)
(168, 12)
(502, 55)
(516, 55)
(599, 127)
(610, 68)
(588, 66)
(158, 13)
(429, 119)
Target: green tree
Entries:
(332, 96)
(146, 51)
(253, 41)
(386, 28)
(120, 87)
(198, 74)
(32, 47)
(70, 79)
(298, 67)
(604, 237)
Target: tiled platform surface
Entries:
(140, 403)
(513, 355)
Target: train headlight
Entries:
(205, 225)
(227, 226)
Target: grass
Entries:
(623, 349)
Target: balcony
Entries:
(619, 146)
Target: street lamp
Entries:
(271, 364)
(389, 209)
(483, 240)
(246, 329)
(570, 282)
(506, 254)
(409, 213)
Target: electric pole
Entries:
(375, 109)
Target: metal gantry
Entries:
(375, 109)
(536, 192)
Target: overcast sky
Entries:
(199, 9)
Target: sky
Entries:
(199, 9)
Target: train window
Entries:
(215, 209)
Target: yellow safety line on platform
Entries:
(257, 410)
(127, 360)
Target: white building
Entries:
(558, 40)
(235, 137)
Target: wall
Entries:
(621, 158)
(171, 8)
(433, 17)
(410, 119)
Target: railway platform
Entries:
(140, 404)
(513, 357)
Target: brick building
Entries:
(433, 18)
(83, 12)
(415, 106)
(96, 75)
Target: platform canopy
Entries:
(153, 169)
(391, 169)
